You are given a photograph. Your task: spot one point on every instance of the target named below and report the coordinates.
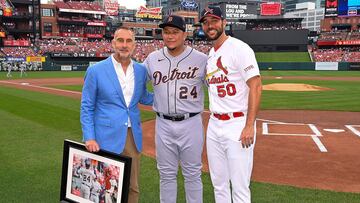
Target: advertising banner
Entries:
(154, 13)
(101, 24)
(66, 68)
(111, 7)
(326, 65)
(35, 59)
(189, 4)
(15, 59)
(338, 42)
(331, 7)
(348, 7)
(236, 11)
(270, 9)
(93, 35)
(16, 43)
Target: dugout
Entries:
(70, 61)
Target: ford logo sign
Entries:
(191, 4)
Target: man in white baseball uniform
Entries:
(234, 96)
(9, 68)
(22, 68)
(110, 190)
(177, 73)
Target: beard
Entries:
(218, 34)
(123, 54)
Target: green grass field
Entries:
(31, 155)
(45, 74)
(336, 99)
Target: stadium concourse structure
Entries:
(71, 35)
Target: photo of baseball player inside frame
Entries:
(94, 177)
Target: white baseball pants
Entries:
(229, 162)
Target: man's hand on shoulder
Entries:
(92, 146)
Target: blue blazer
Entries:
(104, 114)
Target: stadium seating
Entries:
(61, 4)
(18, 51)
(142, 50)
(95, 6)
(332, 36)
(354, 35)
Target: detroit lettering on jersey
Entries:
(177, 80)
(175, 75)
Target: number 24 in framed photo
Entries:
(93, 177)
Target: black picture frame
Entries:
(85, 172)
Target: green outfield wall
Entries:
(65, 63)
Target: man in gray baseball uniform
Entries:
(177, 72)
(87, 177)
(95, 190)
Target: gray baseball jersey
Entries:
(177, 81)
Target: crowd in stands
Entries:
(18, 51)
(332, 36)
(354, 35)
(145, 47)
(351, 54)
(274, 26)
(142, 50)
(339, 35)
(69, 45)
(79, 5)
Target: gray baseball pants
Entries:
(179, 142)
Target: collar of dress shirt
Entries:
(118, 65)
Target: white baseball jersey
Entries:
(113, 185)
(177, 81)
(96, 188)
(87, 176)
(228, 69)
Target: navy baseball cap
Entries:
(174, 21)
(212, 11)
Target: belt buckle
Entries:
(177, 118)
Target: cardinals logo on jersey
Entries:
(220, 67)
(212, 79)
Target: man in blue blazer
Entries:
(110, 117)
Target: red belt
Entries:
(228, 116)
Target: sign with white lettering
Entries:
(236, 11)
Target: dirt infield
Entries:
(292, 148)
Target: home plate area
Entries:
(294, 129)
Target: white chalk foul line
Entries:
(315, 136)
(352, 129)
(315, 130)
(319, 143)
(41, 87)
(265, 129)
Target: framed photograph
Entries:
(93, 177)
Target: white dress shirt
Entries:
(126, 81)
